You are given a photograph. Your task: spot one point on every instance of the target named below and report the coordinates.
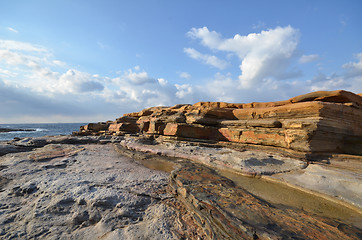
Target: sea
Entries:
(40, 129)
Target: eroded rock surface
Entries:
(226, 211)
(92, 191)
(63, 191)
(246, 161)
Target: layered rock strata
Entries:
(318, 122)
(226, 211)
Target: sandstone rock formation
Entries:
(318, 122)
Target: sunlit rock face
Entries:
(317, 122)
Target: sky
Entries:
(90, 61)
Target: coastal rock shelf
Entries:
(314, 123)
(213, 170)
(94, 187)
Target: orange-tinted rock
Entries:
(95, 127)
(339, 96)
(290, 111)
(218, 105)
(191, 131)
(314, 122)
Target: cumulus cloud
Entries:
(354, 68)
(183, 90)
(222, 87)
(308, 58)
(31, 88)
(206, 59)
(184, 75)
(350, 78)
(75, 81)
(138, 78)
(162, 81)
(323, 82)
(263, 55)
(30, 66)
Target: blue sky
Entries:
(83, 61)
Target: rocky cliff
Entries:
(317, 122)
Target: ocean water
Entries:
(41, 129)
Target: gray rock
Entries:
(95, 194)
(6, 148)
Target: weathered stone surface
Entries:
(226, 211)
(312, 123)
(338, 96)
(339, 183)
(96, 126)
(6, 148)
(88, 191)
(63, 191)
(245, 162)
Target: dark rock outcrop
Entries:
(16, 130)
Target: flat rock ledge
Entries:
(86, 191)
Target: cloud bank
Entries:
(35, 86)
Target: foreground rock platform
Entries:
(85, 191)
(95, 187)
(279, 170)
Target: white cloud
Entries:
(350, 79)
(12, 30)
(21, 46)
(59, 63)
(206, 59)
(183, 90)
(74, 81)
(137, 78)
(184, 75)
(354, 68)
(308, 58)
(28, 78)
(162, 81)
(263, 55)
(30, 66)
(323, 82)
(31, 88)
